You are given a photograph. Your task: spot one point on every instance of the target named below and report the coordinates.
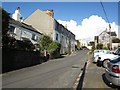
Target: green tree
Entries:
(49, 46)
(5, 21)
(91, 43)
(54, 47)
(99, 46)
(11, 42)
(6, 41)
(78, 44)
(106, 48)
(44, 42)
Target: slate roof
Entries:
(112, 33)
(21, 24)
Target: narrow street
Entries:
(60, 73)
(57, 73)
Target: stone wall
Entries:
(14, 59)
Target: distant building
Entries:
(104, 38)
(44, 22)
(96, 40)
(83, 43)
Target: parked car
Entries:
(112, 72)
(103, 59)
(98, 53)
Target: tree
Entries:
(11, 42)
(5, 21)
(99, 46)
(78, 44)
(49, 46)
(44, 42)
(91, 43)
(54, 49)
(6, 41)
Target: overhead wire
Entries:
(104, 11)
(109, 24)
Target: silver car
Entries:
(112, 71)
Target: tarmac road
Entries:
(57, 73)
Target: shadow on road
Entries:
(108, 83)
(80, 85)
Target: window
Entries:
(12, 28)
(34, 37)
(103, 37)
(56, 36)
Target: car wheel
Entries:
(104, 63)
(99, 63)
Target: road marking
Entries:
(88, 62)
(78, 79)
(79, 76)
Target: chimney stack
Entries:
(17, 15)
(50, 13)
(18, 8)
(65, 26)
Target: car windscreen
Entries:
(117, 52)
(115, 60)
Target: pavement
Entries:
(95, 77)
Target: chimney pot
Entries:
(18, 8)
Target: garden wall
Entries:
(17, 59)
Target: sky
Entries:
(84, 19)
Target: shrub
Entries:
(99, 46)
(54, 47)
(106, 48)
(44, 42)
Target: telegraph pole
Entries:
(110, 41)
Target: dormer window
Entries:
(34, 37)
(12, 28)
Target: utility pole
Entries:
(110, 41)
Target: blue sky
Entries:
(67, 10)
(80, 17)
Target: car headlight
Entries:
(97, 55)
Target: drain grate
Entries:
(75, 66)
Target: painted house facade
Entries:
(104, 38)
(20, 30)
(44, 22)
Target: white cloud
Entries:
(89, 27)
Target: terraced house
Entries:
(44, 22)
(22, 31)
